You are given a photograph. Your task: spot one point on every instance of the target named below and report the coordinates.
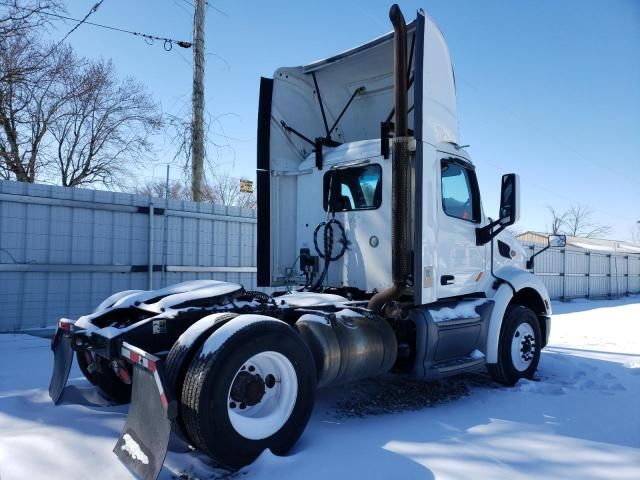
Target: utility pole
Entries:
(197, 100)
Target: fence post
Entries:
(564, 274)
(151, 213)
(588, 254)
(628, 289)
(610, 275)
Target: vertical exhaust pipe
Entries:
(401, 173)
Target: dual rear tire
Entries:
(250, 386)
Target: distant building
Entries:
(581, 243)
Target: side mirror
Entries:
(509, 199)
(557, 241)
(509, 210)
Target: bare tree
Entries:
(105, 128)
(158, 189)
(558, 220)
(577, 221)
(224, 189)
(20, 17)
(179, 128)
(32, 92)
(580, 223)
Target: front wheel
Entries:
(250, 387)
(519, 347)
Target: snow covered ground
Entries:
(579, 419)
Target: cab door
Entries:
(461, 263)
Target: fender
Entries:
(185, 348)
(116, 297)
(520, 279)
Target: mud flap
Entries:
(143, 444)
(62, 360)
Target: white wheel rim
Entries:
(274, 408)
(523, 347)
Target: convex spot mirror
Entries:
(558, 241)
(509, 199)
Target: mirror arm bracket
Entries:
(487, 233)
(530, 262)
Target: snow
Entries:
(579, 419)
(192, 333)
(310, 299)
(177, 294)
(461, 310)
(213, 343)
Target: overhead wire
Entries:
(208, 5)
(168, 42)
(93, 10)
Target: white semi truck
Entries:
(372, 232)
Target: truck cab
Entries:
(336, 214)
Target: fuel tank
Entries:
(348, 345)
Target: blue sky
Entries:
(547, 89)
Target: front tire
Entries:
(251, 387)
(519, 347)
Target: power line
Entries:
(208, 5)
(168, 42)
(80, 22)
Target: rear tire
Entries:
(519, 347)
(105, 378)
(254, 390)
(178, 360)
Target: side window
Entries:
(460, 195)
(355, 188)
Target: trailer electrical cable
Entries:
(328, 247)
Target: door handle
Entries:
(447, 280)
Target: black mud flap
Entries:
(143, 444)
(62, 360)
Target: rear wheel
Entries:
(100, 373)
(519, 347)
(248, 390)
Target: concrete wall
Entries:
(63, 250)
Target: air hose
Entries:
(327, 251)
